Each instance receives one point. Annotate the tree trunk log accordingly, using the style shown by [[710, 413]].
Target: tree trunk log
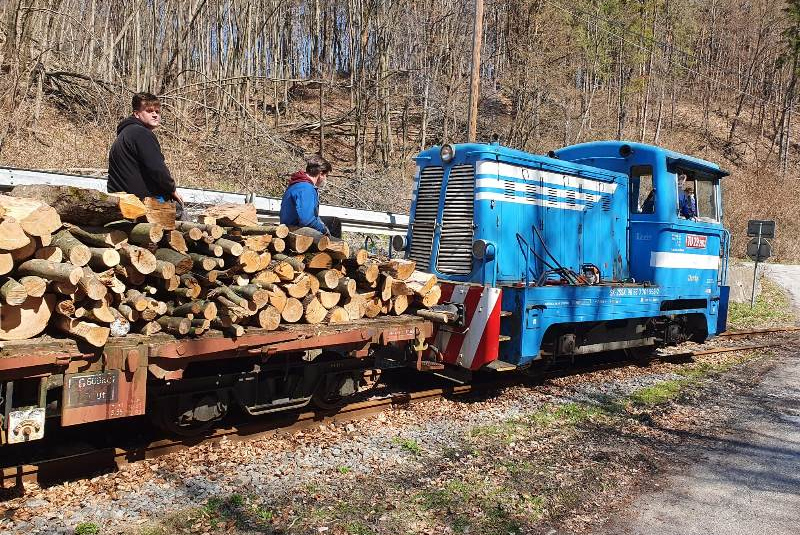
[[12, 292], [84, 206], [34, 216], [143, 260], [182, 262], [94, 334], [51, 270], [74, 251], [98, 236], [34, 286]]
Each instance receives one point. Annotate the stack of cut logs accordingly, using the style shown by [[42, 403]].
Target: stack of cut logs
[[95, 265]]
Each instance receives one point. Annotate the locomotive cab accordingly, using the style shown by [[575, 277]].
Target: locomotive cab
[[598, 246]]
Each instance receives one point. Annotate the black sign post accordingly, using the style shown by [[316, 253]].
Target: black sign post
[[759, 249]]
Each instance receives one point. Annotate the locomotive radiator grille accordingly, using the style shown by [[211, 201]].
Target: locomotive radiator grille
[[455, 244], [430, 186]]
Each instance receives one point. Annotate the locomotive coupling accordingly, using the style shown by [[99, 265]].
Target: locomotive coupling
[[447, 313]]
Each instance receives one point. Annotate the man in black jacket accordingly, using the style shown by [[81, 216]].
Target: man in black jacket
[[135, 162]]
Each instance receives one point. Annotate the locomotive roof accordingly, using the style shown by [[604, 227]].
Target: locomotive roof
[[611, 149], [471, 152]]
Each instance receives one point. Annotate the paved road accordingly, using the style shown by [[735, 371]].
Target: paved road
[[745, 482]]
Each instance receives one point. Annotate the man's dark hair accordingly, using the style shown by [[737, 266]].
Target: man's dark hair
[[141, 100], [317, 164]]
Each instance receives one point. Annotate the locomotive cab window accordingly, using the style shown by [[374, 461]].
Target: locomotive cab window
[[642, 190], [698, 198]]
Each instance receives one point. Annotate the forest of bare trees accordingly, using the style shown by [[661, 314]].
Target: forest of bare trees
[[251, 85]]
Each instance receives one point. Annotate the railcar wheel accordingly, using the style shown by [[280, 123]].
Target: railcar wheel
[[189, 416], [335, 389], [641, 355]]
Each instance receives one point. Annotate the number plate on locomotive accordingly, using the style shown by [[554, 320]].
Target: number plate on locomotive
[[87, 389]]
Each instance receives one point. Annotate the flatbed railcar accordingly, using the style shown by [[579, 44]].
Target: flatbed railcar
[[588, 249], [187, 384]]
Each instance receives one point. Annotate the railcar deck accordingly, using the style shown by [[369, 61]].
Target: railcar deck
[[44, 354]]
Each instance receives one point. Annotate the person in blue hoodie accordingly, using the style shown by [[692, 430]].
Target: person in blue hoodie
[[300, 202]]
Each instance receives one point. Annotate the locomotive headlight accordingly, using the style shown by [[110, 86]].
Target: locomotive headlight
[[399, 242], [483, 250], [447, 153]]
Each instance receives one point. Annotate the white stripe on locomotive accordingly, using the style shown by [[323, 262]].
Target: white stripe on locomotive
[[662, 259]]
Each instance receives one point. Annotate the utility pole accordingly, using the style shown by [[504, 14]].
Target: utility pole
[[475, 77]]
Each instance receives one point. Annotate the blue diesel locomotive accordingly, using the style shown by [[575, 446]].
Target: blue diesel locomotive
[[595, 247]]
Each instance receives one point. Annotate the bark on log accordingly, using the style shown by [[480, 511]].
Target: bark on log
[[367, 274], [276, 231], [149, 328], [143, 234], [329, 279], [74, 251], [202, 262], [253, 293], [84, 206], [103, 257], [292, 261], [91, 285], [173, 325], [215, 231], [229, 246], [346, 287], [182, 262], [51, 253], [98, 236], [53, 271], [208, 249], [34, 216], [92, 333], [128, 312], [129, 274]]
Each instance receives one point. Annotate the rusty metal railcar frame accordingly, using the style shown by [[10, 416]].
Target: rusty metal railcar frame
[[130, 361]]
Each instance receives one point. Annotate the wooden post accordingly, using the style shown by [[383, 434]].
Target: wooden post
[[475, 76]]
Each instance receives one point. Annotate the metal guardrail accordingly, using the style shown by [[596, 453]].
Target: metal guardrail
[[268, 208]]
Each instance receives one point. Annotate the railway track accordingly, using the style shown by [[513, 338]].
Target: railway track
[[92, 461]]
